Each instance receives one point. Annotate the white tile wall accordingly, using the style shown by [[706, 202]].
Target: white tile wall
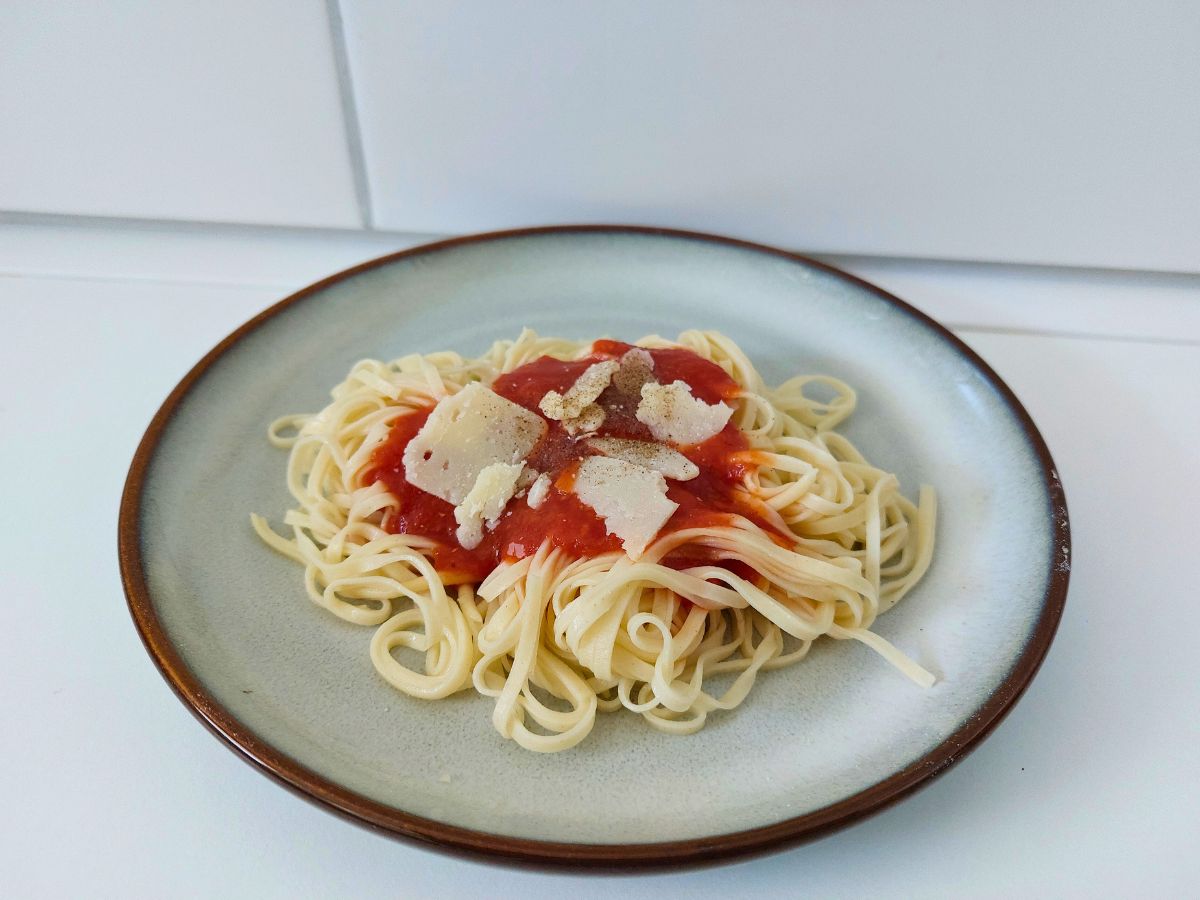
[[173, 109], [1062, 132]]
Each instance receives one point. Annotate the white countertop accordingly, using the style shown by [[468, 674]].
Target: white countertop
[[1091, 787]]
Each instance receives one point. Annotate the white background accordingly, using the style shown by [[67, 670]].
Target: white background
[[1061, 134]]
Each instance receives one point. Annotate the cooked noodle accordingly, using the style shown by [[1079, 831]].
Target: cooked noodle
[[556, 639]]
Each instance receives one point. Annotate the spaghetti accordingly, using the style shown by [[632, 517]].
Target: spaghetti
[[609, 560]]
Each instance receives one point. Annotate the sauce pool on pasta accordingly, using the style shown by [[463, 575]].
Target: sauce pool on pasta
[[710, 498]]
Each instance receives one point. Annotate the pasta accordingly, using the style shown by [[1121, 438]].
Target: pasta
[[760, 538]]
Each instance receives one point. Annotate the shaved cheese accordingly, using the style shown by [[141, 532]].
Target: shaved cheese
[[526, 480], [674, 415], [636, 369], [539, 491], [581, 396], [631, 499], [648, 454], [486, 500], [587, 422], [465, 434]]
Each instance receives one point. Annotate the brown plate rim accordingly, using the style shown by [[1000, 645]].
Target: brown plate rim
[[529, 852]]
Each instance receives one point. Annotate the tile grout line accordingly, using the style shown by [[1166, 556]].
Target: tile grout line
[[350, 121]]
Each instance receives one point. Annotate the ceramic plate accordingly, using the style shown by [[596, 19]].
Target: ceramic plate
[[815, 746]]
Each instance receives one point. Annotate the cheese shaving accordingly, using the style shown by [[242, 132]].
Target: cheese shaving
[[485, 502], [539, 491], [674, 415], [582, 394], [464, 434], [636, 369], [649, 455], [631, 499]]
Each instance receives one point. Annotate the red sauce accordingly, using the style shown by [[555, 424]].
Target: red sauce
[[707, 500]]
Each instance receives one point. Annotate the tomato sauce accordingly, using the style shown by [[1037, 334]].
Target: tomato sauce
[[709, 499]]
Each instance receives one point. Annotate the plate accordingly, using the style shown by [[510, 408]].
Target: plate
[[815, 747]]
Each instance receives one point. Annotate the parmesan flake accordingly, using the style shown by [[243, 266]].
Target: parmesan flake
[[539, 491], [631, 499], [582, 394], [636, 369], [465, 434], [485, 502], [647, 454], [673, 414]]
